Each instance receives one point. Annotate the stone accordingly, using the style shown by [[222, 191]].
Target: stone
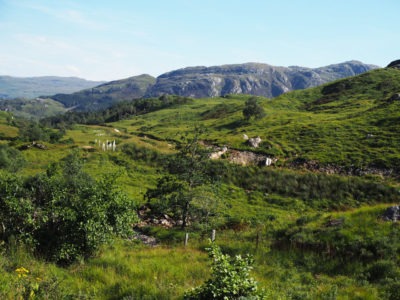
[[255, 142], [39, 146], [218, 154], [395, 97], [392, 213], [147, 240]]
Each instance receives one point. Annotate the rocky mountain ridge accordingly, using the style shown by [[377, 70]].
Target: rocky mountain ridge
[[250, 78], [201, 82]]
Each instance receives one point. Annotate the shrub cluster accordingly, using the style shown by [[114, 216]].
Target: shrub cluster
[[64, 214], [230, 279], [317, 190]]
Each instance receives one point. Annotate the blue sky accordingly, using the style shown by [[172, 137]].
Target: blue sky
[[108, 40]]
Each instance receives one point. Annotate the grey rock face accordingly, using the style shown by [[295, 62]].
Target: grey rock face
[[392, 214], [251, 78]]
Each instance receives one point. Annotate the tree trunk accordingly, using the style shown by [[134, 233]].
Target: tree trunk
[[185, 211]]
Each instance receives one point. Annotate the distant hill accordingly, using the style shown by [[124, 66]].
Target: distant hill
[[107, 94], [349, 126], [251, 78], [31, 87], [198, 82]]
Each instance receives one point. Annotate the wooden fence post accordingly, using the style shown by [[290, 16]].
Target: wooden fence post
[[186, 238], [213, 235]]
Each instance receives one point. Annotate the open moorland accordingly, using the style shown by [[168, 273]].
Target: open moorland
[[98, 205]]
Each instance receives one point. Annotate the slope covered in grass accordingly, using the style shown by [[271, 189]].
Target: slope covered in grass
[[349, 125], [313, 234]]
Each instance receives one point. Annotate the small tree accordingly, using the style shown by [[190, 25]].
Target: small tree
[[230, 279], [64, 215], [177, 191], [253, 109]]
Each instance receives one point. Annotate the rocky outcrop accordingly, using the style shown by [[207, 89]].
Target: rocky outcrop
[[251, 78], [246, 158], [201, 82], [254, 142], [392, 214], [33, 144], [395, 97], [394, 64]]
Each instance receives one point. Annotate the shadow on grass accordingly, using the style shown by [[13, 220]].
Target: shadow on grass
[[233, 125]]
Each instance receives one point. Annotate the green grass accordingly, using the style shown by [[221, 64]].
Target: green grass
[[7, 130], [281, 215], [350, 123]]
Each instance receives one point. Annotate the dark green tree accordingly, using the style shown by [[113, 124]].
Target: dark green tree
[[186, 181], [253, 109], [64, 214]]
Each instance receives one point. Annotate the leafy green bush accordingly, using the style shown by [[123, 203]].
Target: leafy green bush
[[230, 279], [382, 269], [11, 159], [253, 109], [64, 215]]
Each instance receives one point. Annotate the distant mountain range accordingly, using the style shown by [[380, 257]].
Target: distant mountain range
[[251, 78], [31, 87], [197, 82], [106, 94]]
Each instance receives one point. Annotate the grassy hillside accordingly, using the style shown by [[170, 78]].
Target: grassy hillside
[[33, 108], [104, 95], [349, 125], [312, 220]]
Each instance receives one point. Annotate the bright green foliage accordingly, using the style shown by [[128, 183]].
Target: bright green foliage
[[230, 279], [33, 131], [10, 158], [176, 192], [64, 215], [314, 234], [253, 109], [359, 235]]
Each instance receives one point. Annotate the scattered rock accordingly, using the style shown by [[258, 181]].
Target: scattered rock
[[219, 153], [245, 137], [147, 240], [395, 97], [392, 214], [334, 222], [34, 144], [39, 146], [254, 142], [147, 218], [267, 161]]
